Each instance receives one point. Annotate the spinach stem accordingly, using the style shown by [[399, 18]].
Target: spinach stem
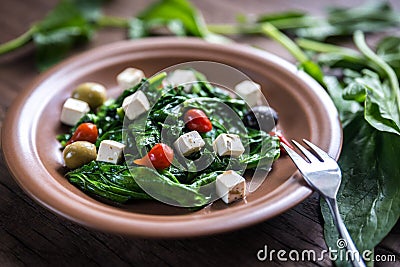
[[271, 31], [112, 21], [17, 42], [103, 21], [347, 53], [232, 29], [294, 23], [325, 48], [227, 29], [255, 28], [359, 40], [156, 80], [170, 176]]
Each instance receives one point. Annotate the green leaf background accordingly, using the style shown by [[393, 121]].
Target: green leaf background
[[369, 196]]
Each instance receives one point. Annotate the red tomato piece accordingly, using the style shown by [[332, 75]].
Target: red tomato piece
[[159, 157], [197, 120], [85, 132], [282, 139]]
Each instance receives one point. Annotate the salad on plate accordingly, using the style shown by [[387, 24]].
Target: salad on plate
[[175, 137]]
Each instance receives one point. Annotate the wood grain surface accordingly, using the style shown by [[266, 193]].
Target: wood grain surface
[[33, 236]]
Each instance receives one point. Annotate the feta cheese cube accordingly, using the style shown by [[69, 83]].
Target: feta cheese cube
[[228, 145], [135, 105], [182, 77], [189, 143], [73, 110], [230, 186], [129, 78], [249, 91], [110, 151]]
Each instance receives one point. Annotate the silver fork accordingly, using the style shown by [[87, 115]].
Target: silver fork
[[323, 174]]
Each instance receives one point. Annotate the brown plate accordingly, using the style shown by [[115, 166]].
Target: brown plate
[[34, 158]]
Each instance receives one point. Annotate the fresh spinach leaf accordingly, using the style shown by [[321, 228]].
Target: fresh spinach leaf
[[355, 91], [380, 105], [67, 25], [378, 90], [173, 10], [370, 12], [338, 21], [369, 197], [347, 109], [180, 16], [286, 20], [388, 48], [137, 29], [310, 67], [333, 56], [343, 21], [53, 46], [90, 9]]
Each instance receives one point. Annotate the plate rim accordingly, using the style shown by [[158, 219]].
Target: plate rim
[[170, 227]]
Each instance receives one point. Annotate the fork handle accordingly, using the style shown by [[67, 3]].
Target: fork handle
[[356, 257]]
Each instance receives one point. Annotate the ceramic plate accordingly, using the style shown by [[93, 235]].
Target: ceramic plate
[[34, 158]]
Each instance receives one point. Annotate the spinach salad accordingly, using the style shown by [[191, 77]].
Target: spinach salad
[[148, 141]]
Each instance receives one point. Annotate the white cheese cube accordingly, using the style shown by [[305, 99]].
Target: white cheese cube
[[249, 91], [73, 110], [230, 186], [129, 78], [182, 77], [189, 143], [110, 151], [135, 105], [228, 145]]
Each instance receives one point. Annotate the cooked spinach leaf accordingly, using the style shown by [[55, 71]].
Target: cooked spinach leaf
[[162, 187], [146, 131], [110, 181], [110, 116]]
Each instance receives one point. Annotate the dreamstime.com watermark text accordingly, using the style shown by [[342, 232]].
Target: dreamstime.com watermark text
[[265, 254]]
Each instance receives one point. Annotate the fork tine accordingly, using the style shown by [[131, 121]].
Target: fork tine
[[306, 153], [322, 154], [296, 158]]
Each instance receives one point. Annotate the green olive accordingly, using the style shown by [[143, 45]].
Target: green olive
[[79, 153], [92, 93]]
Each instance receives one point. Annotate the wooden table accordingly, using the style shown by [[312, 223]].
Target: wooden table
[[31, 235]]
